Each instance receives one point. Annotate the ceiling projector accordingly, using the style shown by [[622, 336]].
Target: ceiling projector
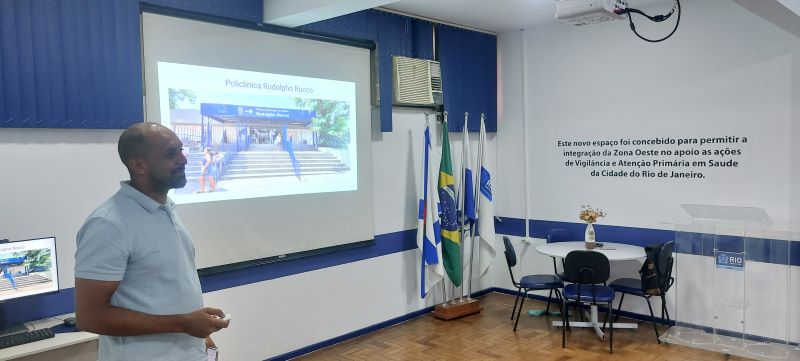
[[585, 12]]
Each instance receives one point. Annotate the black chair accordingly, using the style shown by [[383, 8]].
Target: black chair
[[528, 283], [633, 286], [558, 235], [590, 271]]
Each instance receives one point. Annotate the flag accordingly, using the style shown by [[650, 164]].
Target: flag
[[469, 180], [487, 245], [451, 240], [428, 237], [468, 192]]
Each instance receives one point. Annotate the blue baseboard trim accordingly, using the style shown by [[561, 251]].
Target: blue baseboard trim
[[363, 331], [627, 314], [350, 335], [735, 334], [662, 321]]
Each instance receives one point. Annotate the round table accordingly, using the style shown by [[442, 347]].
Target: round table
[[614, 252]]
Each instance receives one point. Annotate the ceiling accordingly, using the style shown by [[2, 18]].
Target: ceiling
[[490, 15], [494, 15]]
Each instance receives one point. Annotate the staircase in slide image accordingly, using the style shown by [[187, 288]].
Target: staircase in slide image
[[262, 164]]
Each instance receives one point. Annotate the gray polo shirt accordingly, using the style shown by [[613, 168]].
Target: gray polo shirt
[[141, 243]]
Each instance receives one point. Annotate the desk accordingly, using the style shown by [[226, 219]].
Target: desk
[[614, 252], [70, 346]]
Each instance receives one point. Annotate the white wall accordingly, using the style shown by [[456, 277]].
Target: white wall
[[41, 168], [725, 71], [45, 166]]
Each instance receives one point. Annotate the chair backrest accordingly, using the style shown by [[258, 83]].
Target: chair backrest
[[587, 267], [664, 264], [511, 255], [511, 258], [558, 235]]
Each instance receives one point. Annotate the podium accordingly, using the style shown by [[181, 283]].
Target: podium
[[734, 292]]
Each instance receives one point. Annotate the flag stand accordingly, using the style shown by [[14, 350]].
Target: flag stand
[[462, 306], [452, 310]]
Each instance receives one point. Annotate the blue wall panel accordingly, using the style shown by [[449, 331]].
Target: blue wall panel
[[247, 10], [77, 63], [360, 25], [70, 64], [469, 77], [468, 60], [423, 39]]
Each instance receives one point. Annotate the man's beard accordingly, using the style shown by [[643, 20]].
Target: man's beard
[[174, 180]]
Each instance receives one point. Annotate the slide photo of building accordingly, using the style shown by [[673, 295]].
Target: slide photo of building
[[26, 272]]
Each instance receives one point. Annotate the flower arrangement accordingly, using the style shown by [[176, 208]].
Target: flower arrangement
[[589, 214]]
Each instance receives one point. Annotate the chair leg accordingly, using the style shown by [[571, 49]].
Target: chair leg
[[620, 307], [549, 296], [664, 309], [564, 323], [522, 299], [653, 319], [514, 310], [520, 309], [610, 327], [559, 300]]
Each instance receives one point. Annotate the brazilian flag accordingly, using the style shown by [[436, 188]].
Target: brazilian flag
[[451, 242]]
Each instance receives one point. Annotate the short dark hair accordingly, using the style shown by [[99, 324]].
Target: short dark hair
[[132, 142]]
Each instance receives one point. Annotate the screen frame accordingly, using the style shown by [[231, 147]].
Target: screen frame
[[54, 267], [263, 27], [278, 30]]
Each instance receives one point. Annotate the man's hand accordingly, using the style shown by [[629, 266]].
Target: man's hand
[[203, 322]]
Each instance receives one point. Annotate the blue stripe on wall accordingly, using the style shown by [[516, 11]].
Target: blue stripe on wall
[[384, 244], [510, 226], [761, 250], [38, 307], [775, 251]]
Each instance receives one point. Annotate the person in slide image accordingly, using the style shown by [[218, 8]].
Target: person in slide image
[[136, 282], [9, 277], [287, 146], [208, 172]]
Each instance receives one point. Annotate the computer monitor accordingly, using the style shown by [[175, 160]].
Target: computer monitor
[[28, 268]]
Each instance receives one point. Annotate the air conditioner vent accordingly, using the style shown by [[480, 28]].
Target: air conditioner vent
[[417, 81]]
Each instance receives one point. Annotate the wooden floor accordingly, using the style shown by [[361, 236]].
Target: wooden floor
[[489, 336]]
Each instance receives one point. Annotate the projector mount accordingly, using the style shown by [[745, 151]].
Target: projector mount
[[656, 18]]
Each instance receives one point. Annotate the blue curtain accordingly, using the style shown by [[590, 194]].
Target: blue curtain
[[469, 76], [69, 64]]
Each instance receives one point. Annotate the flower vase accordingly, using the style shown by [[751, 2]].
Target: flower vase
[[589, 238]]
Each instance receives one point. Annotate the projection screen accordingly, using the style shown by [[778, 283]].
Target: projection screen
[[276, 131]]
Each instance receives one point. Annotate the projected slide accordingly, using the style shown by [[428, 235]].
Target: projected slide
[[250, 134], [27, 269]]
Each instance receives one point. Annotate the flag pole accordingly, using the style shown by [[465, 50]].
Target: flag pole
[[468, 234], [477, 205], [460, 194], [461, 308], [444, 279]]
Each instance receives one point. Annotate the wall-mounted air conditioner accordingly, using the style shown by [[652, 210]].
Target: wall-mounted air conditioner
[[417, 82]]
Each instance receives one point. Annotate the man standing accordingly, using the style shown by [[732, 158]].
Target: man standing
[[136, 283]]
